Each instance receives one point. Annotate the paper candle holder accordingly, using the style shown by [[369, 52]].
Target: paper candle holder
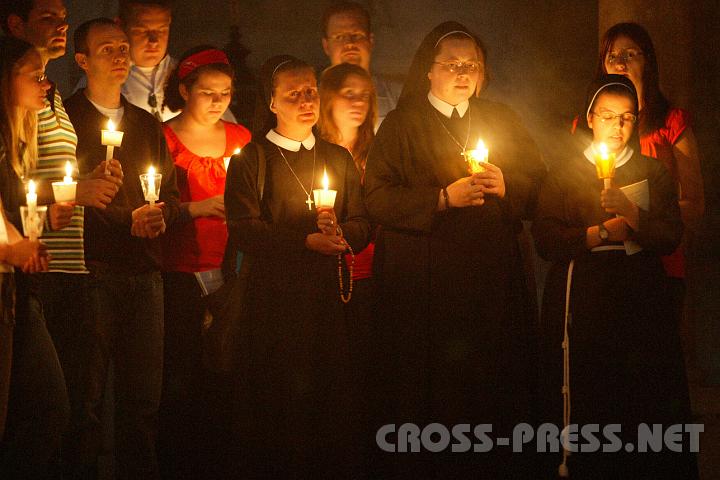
[[33, 227], [150, 183]]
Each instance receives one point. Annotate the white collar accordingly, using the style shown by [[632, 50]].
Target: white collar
[[620, 159], [445, 108], [290, 144]]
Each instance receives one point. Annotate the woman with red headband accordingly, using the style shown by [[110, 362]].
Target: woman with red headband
[[199, 141]]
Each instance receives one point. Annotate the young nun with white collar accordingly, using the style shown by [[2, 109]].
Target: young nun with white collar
[[297, 389], [606, 298], [456, 322]]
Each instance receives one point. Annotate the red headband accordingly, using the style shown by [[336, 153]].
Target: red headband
[[206, 57]]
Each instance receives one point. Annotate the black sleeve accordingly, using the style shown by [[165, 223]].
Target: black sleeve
[[661, 226], [390, 201], [556, 237], [355, 226], [255, 233], [524, 171]]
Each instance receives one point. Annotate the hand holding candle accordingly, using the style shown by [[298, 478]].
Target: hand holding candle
[[605, 165], [111, 139], [65, 191], [32, 216], [477, 158]]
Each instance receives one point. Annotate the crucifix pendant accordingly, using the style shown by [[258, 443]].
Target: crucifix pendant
[[309, 203]]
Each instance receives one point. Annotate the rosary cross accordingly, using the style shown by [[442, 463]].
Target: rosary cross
[[309, 203]]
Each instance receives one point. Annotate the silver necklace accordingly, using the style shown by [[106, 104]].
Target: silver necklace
[[309, 200], [467, 135]]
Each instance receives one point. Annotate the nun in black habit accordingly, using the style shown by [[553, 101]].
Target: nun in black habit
[[296, 396], [624, 364], [456, 327]]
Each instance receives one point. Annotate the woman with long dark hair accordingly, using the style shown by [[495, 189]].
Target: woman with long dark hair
[[665, 132], [297, 392]]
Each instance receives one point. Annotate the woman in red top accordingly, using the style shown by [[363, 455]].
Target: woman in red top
[[665, 132], [199, 142]]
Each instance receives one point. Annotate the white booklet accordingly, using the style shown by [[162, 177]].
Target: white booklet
[[210, 280], [639, 194]]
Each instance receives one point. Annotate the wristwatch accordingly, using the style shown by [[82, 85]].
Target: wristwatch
[[603, 232]]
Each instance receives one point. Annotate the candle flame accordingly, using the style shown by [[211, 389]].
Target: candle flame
[[603, 151], [325, 181], [68, 169], [151, 171], [480, 145], [111, 125], [237, 151], [31, 187]]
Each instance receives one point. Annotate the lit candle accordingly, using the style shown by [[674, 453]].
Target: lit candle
[[324, 197], [605, 165], [65, 191], [31, 220], [227, 159], [111, 139], [150, 183], [475, 158]]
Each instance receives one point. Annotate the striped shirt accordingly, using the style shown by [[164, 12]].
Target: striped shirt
[[56, 145]]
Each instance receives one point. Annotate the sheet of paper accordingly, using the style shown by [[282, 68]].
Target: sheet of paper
[[639, 194]]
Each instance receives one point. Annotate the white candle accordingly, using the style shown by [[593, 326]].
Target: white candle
[[111, 138], [476, 158], [31, 221], [151, 185], [65, 191], [325, 198], [68, 172], [227, 159]]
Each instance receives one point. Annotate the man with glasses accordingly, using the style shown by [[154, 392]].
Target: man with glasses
[[347, 39]]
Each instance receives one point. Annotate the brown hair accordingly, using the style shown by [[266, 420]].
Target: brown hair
[[345, 8], [331, 82], [654, 104], [13, 54], [127, 8], [173, 100]]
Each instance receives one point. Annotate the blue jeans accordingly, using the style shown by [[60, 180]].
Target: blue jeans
[[127, 327]]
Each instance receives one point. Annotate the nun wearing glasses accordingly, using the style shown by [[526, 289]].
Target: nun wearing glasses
[[456, 324]]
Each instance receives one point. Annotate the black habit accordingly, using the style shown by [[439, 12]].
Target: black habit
[[456, 326], [626, 364], [296, 388]]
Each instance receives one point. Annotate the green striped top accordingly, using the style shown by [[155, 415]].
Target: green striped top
[[56, 145]]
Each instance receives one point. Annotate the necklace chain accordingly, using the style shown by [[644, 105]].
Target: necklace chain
[[312, 179], [467, 135]]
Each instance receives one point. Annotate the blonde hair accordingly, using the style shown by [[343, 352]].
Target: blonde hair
[[18, 128]]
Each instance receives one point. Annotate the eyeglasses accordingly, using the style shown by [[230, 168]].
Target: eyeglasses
[[608, 116], [348, 38], [626, 56], [460, 67]]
